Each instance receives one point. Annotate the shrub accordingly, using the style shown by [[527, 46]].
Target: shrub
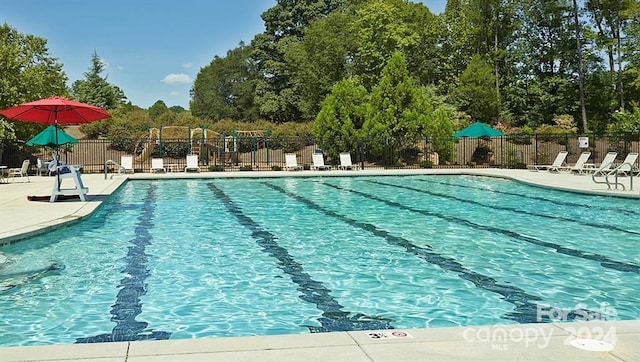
[[426, 164]]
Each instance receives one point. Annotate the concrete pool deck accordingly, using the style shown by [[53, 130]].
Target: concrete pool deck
[[21, 218]]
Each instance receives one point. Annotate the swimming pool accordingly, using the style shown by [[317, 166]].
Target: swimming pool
[[236, 257]]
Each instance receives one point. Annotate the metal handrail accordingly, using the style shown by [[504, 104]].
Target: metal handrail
[[120, 168], [616, 171]]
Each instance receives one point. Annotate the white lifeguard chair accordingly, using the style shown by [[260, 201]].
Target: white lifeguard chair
[[74, 174]]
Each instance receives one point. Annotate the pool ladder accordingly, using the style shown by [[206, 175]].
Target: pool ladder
[[112, 162], [616, 172]]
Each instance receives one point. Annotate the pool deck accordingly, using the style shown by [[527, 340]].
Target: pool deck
[[20, 218]]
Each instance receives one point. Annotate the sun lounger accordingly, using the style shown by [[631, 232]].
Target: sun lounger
[[157, 165], [555, 166], [291, 162], [627, 167], [126, 164], [192, 164], [580, 166], [606, 164], [318, 162], [345, 162]]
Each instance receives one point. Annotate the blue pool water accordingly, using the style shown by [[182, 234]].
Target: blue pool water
[[237, 257]]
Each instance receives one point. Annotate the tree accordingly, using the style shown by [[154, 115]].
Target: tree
[[320, 60], [27, 73], [285, 24], [157, 109], [339, 122], [226, 87], [399, 111], [97, 90], [475, 94]]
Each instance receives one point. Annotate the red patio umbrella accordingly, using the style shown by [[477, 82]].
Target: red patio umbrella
[[55, 110]]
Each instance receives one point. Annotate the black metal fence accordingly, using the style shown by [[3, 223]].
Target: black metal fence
[[265, 153]]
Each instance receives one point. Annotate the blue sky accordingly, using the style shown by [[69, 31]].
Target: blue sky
[[153, 49]]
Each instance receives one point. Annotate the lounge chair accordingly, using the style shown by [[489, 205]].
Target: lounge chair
[[345, 162], [126, 164], [20, 171], [627, 167], [192, 164], [606, 164], [291, 162], [318, 162], [157, 165], [580, 166], [555, 166], [42, 167]]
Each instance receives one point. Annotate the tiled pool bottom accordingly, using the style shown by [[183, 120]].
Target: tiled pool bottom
[[497, 343], [426, 344]]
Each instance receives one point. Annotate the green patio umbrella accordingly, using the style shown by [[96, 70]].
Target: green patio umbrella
[[478, 130], [48, 138]]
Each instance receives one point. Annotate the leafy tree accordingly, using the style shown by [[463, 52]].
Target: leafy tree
[[320, 60], [399, 110], [285, 24], [157, 109], [226, 87], [339, 122], [381, 29], [97, 90], [475, 94], [27, 73]]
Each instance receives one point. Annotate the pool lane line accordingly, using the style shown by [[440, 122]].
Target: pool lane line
[[603, 260], [557, 202], [505, 208], [128, 305], [334, 318], [526, 311]]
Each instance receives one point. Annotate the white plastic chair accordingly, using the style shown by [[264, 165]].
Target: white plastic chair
[[318, 162], [157, 165], [291, 162], [557, 164], [126, 164], [20, 171], [192, 164], [345, 162]]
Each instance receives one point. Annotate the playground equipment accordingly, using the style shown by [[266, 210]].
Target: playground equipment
[[207, 144]]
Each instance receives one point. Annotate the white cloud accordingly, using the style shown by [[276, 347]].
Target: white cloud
[[188, 65], [176, 93], [177, 79]]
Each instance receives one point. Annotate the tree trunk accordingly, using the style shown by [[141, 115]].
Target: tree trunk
[[580, 73]]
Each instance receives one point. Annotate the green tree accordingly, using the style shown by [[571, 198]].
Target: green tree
[[157, 109], [321, 60], [399, 110], [97, 90], [339, 122], [27, 73], [226, 87], [475, 94], [285, 24]]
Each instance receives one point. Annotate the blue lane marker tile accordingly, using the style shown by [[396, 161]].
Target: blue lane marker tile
[[334, 318], [526, 308], [603, 260], [128, 305], [531, 197]]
